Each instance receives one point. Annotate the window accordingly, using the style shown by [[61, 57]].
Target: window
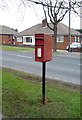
[[60, 38], [29, 39], [19, 39], [76, 39], [13, 37]]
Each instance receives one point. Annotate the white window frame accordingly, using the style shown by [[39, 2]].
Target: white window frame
[[76, 39], [19, 39], [30, 38], [29, 43], [60, 38]]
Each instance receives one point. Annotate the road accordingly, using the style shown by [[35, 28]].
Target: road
[[64, 66]]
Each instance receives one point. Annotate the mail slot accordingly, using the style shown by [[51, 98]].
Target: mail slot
[[43, 47]]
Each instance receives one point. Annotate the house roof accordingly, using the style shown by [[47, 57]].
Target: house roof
[[62, 30], [7, 30]]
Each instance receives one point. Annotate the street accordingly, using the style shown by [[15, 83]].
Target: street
[[64, 66]]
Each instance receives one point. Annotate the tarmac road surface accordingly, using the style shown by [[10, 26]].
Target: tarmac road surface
[[64, 66]]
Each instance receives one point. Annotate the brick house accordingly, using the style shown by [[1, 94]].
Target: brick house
[[27, 36], [7, 35]]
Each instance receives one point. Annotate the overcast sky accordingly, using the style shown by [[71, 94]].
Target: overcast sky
[[22, 17]]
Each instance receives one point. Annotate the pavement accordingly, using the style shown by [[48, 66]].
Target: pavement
[[65, 53]]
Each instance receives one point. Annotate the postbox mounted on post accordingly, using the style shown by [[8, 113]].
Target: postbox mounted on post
[[43, 53], [43, 47]]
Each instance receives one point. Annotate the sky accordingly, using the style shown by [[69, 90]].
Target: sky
[[23, 17]]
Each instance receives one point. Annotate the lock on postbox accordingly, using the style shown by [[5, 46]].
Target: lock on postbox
[[43, 47]]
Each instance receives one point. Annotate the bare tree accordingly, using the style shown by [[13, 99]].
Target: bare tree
[[55, 10]]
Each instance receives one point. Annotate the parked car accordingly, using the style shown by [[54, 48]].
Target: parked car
[[73, 45]]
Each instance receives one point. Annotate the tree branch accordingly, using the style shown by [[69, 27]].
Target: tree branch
[[46, 20], [61, 18], [50, 15], [50, 26], [59, 8], [51, 10]]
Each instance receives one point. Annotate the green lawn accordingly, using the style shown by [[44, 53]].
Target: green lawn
[[22, 97], [14, 47]]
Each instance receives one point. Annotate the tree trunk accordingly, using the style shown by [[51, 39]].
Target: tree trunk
[[55, 37]]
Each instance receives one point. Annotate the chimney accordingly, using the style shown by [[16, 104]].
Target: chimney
[[44, 22]]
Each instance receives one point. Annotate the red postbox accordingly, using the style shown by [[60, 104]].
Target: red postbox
[[43, 47]]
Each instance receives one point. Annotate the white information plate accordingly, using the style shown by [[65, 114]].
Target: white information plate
[[38, 52]]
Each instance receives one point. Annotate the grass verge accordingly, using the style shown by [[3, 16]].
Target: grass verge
[[56, 52], [22, 97], [15, 48]]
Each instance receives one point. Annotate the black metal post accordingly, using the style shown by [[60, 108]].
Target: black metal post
[[43, 81], [69, 36]]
